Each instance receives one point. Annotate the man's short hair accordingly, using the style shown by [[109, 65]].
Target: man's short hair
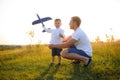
[[77, 20]]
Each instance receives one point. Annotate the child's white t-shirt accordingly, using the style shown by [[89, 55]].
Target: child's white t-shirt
[[83, 42], [55, 38]]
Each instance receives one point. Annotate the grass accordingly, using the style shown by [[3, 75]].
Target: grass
[[32, 63]]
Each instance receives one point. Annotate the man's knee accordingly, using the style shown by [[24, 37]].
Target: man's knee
[[64, 53]]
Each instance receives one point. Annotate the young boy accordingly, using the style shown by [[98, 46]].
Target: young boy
[[56, 36]]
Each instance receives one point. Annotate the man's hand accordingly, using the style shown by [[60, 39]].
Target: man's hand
[[51, 46]]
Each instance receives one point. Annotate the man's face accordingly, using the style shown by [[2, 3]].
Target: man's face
[[71, 24], [57, 24]]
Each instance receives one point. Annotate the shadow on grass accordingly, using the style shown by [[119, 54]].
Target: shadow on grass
[[48, 74], [81, 73], [76, 72]]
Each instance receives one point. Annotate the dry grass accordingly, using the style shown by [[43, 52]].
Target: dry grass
[[32, 63]]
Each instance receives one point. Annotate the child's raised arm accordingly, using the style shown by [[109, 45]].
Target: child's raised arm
[[47, 30]]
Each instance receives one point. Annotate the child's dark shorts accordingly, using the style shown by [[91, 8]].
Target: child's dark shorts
[[56, 52]]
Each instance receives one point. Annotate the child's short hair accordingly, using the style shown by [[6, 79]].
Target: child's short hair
[[57, 20]]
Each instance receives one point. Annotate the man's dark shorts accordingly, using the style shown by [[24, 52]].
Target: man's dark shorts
[[56, 52], [72, 49]]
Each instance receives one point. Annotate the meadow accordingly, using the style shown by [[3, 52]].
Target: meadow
[[33, 63]]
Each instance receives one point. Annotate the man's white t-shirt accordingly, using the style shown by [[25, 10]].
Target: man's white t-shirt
[[55, 38], [83, 42]]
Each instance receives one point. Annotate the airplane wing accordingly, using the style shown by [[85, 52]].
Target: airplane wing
[[46, 19], [36, 22], [41, 20]]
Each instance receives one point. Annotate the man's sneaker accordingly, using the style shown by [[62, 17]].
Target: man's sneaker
[[89, 61]]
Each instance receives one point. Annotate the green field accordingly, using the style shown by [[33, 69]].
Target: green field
[[32, 63]]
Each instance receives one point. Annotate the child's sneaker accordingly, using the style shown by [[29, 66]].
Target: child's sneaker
[[86, 65], [51, 64], [58, 64]]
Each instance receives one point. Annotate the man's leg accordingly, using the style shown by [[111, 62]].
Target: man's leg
[[76, 61], [74, 56]]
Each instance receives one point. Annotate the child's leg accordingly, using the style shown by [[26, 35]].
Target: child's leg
[[59, 59], [59, 56], [53, 59], [53, 55]]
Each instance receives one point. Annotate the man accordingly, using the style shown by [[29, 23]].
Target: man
[[82, 50]]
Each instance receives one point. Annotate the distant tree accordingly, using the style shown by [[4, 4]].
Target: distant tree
[[107, 38], [97, 39], [111, 35], [112, 38], [31, 35]]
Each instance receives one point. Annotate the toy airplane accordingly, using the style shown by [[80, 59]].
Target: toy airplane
[[41, 20]]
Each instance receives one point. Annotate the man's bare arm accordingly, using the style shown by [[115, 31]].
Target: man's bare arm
[[66, 39], [64, 45]]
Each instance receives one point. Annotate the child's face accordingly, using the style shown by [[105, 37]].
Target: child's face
[[57, 24]]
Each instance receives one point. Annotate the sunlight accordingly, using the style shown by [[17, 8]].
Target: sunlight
[[98, 19]]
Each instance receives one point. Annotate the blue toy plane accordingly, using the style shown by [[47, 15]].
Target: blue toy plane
[[41, 20]]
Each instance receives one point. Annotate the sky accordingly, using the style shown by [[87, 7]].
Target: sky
[[99, 17]]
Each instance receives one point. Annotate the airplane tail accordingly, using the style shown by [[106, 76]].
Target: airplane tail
[[38, 16]]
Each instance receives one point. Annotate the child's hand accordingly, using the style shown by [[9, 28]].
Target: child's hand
[[61, 35]]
